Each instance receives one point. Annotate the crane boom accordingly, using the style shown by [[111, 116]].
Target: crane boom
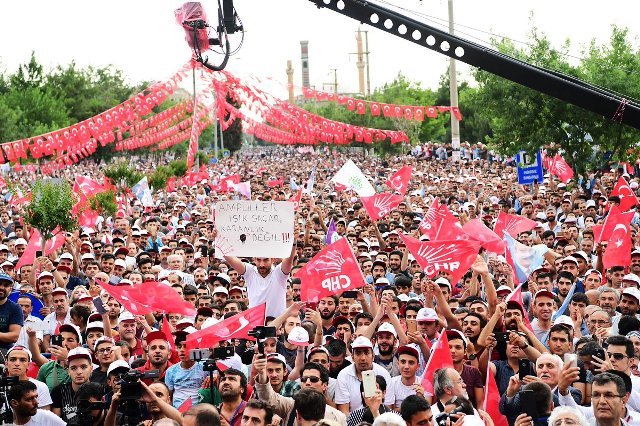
[[566, 88]]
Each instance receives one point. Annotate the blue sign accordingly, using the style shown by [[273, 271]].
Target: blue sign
[[226, 153], [214, 160], [529, 168]]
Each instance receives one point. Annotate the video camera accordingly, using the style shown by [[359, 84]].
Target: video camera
[[83, 413], [209, 358], [260, 333], [130, 387], [463, 407]]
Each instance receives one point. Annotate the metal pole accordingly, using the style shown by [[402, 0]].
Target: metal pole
[[453, 94], [366, 46], [215, 128]]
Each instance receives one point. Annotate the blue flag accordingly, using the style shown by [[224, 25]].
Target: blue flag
[[565, 305]]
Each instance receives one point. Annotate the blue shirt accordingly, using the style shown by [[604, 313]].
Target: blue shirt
[[184, 383], [10, 313]]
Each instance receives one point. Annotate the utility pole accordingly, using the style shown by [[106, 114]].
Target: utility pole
[[366, 52], [453, 94]]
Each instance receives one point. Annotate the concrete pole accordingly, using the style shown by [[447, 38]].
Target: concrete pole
[[453, 93]]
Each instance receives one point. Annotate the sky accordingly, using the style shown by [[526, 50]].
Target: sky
[[141, 37]]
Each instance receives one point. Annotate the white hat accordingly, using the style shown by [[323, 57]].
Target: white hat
[[382, 280], [224, 276], [79, 352], [361, 342], [121, 263], [403, 297], [386, 327], [118, 363], [126, 316], [95, 325], [298, 336], [564, 320], [45, 274], [20, 348], [633, 292], [632, 277], [21, 241], [590, 203], [504, 288], [209, 322], [443, 281], [67, 256], [427, 314], [102, 340], [570, 259], [220, 289], [88, 256], [278, 358]]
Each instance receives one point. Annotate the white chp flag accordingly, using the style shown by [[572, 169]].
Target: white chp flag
[[353, 178]]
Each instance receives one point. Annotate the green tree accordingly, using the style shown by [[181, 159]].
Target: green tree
[[233, 134], [50, 207], [120, 173], [104, 203]]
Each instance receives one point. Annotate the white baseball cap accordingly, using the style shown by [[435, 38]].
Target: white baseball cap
[[427, 314], [633, 278], [117, 364], [443, 281], [361, 342], [20, 348], [220, 289], [298, 336], [79, 352], [633, 292], [564, 320], [126, 316], [386, 327]]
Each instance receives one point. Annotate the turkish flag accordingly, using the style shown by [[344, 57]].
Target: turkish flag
[[603, 232], [35, 244], [452, 256], [440, 357], [513, 224], [333, 270], [88, 218], [228, 183], [295, 199], [399, 181], [456, 113], [171, 184], [432, 112], [186, 405], [492, 399], [408, 113], [627, 198], [235, 327], [440, 224], [397, 111], [478, 231], [380, 205], [351, 104], [387, 110], [85, 187], [375, 109], [361, 107], [273, 183], [148, 297], [618, 251], [418, 113]]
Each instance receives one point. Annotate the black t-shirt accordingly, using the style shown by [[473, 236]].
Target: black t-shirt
[[63, 397], [98, 376]]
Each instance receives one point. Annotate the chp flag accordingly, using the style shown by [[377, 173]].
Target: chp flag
[[333, 270], [454, 257]]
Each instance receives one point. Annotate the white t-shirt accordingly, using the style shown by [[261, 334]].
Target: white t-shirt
[[45, 418], [44, 398], [271, 289], [348, 387], [51, 323], [399, 391], [36, 324]]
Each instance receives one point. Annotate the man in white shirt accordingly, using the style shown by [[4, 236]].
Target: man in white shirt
[[265, 283], [18, 360], [23, 399], [348, 397], [406, 383], [29, 320]]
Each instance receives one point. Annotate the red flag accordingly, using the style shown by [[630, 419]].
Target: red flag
[[375, 109], [88, 218], [557, 166], [3, 183], [492, 399], [166, 329], [516, 294], [440, 224], [85, 187], [408, 113], [171, 184], [456, 113], [627, 198], [380, 205], [440, 358], [235, 327], [432, 112], [361, 107], [273, 183], [618, 251], [148, 297], [184, 407], [333, 270], [477, 230], [351, 104], [603, 232], [418, 113], [35, 244], [399, 181], [296, 199], [513, 224], [453, 257]]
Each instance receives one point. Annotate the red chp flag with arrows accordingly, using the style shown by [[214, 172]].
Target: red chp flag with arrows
[[399, 181], [235, 327], [627, 198], [557, 166], [334, 270], [380, 205], [478, 231], [452, 257], [513, 224], [440, 224]]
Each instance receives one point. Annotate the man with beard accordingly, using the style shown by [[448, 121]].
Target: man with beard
[[472, 325], [635, 262], [629, 305], [220, 296], [386, 338], [295, 288], [23, 399], [59, 316], [608, 301], [564, 282], [511, 316], [517, 348], [232, 386], [327, 307], [337, 357], [344, 328], [158, 353], [265, 283]]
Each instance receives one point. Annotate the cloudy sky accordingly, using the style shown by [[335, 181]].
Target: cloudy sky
[[141, 36]]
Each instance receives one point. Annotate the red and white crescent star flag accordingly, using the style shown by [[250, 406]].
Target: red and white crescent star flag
[[399, 181], [88, 218], [440, 358], [333, 270], [150, 296], [380, 205], [453, 257], [85, 187], [603, 232], [513, 224], [627, 197], [235, 327], [618, 251], [35, 244]]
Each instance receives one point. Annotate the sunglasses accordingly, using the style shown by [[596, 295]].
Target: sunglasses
[[313, 379], [616, 356]]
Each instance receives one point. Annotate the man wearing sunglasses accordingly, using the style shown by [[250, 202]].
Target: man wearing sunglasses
[[312, 376]]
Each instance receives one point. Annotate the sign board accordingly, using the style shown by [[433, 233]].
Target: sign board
[[254, 228], [529, 168], [226, 153], [214, 160]]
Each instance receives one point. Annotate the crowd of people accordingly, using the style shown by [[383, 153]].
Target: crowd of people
[[74, 355]]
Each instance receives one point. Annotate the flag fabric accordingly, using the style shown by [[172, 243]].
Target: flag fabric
[[513, 224], [478, 231], [627, 197], [244, 189], [557, 166], [332, 233], [166, 329], [88, 218], [292, 184], [525, 259], [86, 187], [352, 177], [296, 199], [142, 192], [148, 297], [186, 405], [399, 181], [228, 182], [440, 357], [492, 399], [440, 224], [565, 304], [171, 184], [311, 182], [235, 327], [453, 257], [35, 244], [603, 232], [618, 251], [333, 270], [274, 183], [380, 205]]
